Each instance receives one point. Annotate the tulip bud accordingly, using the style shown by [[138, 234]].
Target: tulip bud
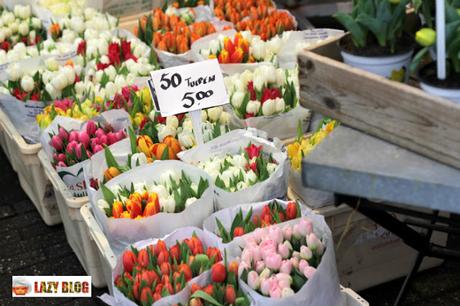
[[27, 83], [425, 37], [309, 272], [315, 244], [91, 128], [83, 137], [63, 134], [78, 150], [305, 253], [111, 138], [73, 136], [97, 148], [103, 140], [56, 143], [303, 264], [286, 292], [99, 132], [110, 173], [253, 280]]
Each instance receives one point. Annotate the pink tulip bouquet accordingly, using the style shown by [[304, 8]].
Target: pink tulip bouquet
[[277, 261], [72, 146]]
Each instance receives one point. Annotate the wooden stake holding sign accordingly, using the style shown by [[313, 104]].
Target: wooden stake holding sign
[[188, 88]]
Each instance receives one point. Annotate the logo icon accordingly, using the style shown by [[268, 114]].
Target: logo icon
[[21, 286]]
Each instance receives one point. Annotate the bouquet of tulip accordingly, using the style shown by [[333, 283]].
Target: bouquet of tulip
[[162, 269], [72, 147], [222, 289], [215, 123], [239, 48], [68, 108], [302, 146], [277, 262], [272, 213], [42, 84], [20, 26], [63, 7], [240, 171], [236, 10], [81, 24], [264, 92], [245, 168], [268, 23]]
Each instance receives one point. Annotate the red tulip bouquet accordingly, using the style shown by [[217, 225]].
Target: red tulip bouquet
[[148, 272]]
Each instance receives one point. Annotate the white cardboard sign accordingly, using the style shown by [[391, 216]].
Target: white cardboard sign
[[188, 88]]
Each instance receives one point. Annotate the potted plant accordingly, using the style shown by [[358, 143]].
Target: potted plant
[[449, 87], [377, 41]]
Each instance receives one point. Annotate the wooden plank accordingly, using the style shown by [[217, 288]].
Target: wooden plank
[[396, 112]]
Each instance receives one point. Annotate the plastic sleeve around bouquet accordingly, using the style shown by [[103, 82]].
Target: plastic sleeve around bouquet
[[322, 289], [122, 232], [170, 239], [73, 176], [231, 143], [227, 215]]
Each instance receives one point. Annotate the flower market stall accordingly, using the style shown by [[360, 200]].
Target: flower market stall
[[197, 152]]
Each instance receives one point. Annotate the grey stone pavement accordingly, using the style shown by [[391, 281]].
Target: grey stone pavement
[[29, 247]]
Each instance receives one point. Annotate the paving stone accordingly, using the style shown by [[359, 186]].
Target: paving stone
[[23, 206], [6, 211]]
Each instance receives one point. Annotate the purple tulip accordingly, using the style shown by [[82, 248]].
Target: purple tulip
[[91, 128], [56, 143]]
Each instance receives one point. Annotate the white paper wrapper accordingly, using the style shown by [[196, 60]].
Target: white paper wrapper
[[122, 232], [314, 198], [282, 126], [73, 176], [22, 116], [298, 40], [227, 215], [322, 289], [170, 239], [273, 187]]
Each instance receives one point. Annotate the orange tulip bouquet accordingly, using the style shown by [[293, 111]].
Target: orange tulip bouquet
[[151, 201], [173, 31], [236, 10]]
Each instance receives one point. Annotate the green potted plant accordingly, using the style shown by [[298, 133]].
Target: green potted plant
[[377, 41], [448, 88]]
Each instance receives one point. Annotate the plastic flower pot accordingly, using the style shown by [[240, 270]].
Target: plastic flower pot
[[448, 88], [376, 60]]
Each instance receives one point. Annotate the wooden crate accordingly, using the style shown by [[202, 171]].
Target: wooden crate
[[396, 112]]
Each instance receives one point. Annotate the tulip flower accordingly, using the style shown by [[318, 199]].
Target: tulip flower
[[224, 57], [305, 252], [260, 266], [218, 273], [56, 142], [315, 244], [286, 266], [287, 292], [273, 261], [230, 295], [117, 209], [303, 264], [73, 136], [129, 260], [309, 272], [425, 37]]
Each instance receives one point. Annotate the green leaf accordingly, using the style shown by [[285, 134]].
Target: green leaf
[[203, 295], [223, 233], [236, 221], [248, 217], [202, 186], [132, 140], [110, 159], [104, 79], [417, 59], [357, 33], [108, 194]]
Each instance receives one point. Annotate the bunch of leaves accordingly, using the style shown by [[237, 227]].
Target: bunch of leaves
[[381, 21]]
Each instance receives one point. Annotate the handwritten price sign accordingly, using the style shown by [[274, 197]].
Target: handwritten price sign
[[188, 88]]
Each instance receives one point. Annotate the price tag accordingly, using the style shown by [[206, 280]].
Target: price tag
[[188, 88]]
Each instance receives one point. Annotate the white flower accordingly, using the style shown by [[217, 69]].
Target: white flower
[[187, 125], [168, 204], [241, 185], [36, 23], [190, 201], [259, 81], [22, 11], [77, 24], [214, 46], [239, 85], [269, 72], [27, 83], [245, 77], [14, 72], [253, 107], [239, 161], [120, 81], [274, 44], [250, 177], [268, 108], [110, 89], [271, 167], [224, 118], [52, 91], [7, 18], [160, 190], [138, 159], [2, 36], [32, 36], [169, 175], [102, 204], [111, 72], [90, 13], [214, 113], [23, 28], [172, 122], [258, 49], [204, 115], [280, 76], [280, 105], [186, 140], [80, 88], [164, 131], [59, 82], [69, 74]]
